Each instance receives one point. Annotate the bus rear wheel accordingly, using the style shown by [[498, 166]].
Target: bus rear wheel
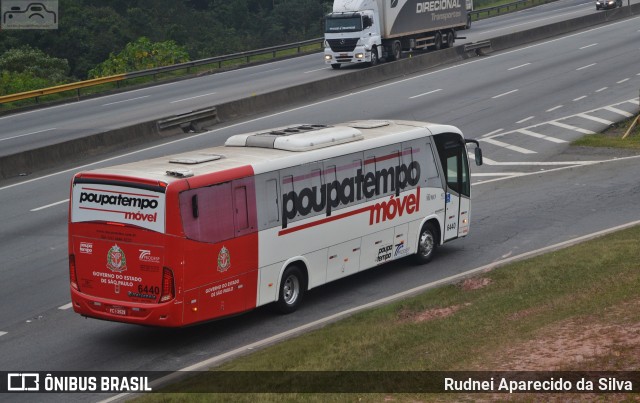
[[292, 289], [426, 244]]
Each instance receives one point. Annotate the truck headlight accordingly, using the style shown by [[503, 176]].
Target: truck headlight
[[359, 55], [327, 57]]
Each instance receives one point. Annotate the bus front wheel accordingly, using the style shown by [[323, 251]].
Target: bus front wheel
[[292, 288], [426, 244]]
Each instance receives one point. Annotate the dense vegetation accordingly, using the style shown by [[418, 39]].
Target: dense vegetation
[[97, 37]]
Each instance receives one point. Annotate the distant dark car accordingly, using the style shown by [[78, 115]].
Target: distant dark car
[[604, 4]]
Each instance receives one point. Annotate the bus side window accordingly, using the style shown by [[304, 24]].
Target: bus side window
[[387, 159], [215, 221], [271, 202], [407, 158]]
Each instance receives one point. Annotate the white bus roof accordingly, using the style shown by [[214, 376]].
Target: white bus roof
[[265, 151]]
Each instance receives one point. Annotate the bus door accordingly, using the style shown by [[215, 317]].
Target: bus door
[[453, 156]]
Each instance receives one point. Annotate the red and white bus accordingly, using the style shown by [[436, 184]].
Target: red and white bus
[[188, 238]]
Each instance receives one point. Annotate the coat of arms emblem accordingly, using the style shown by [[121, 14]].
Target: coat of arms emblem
[[224, 260], [116, 260]]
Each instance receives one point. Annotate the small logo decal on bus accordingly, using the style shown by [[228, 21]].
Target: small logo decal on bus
[[116, 260], [86, 247], [224, 260]]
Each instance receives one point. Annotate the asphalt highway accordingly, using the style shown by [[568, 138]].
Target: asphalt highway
[[524, 105]]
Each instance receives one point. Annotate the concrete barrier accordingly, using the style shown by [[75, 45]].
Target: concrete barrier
[[75, 150], [27, 162]]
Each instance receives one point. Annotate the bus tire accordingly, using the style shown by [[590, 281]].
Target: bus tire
[[426, 244], [291, 291]]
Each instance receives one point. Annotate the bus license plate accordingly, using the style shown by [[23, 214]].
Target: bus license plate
[[118, 310]]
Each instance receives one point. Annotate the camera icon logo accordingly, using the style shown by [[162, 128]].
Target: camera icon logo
[[40, 15]]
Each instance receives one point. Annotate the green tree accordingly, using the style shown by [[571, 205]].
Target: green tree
[[25, 69], [12, 82], [36, 63], [141, 55]]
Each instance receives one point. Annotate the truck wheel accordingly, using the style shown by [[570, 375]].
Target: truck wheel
[[335, 66], [292, 288], [437, 42], [426, 244], [374, 56], [396, 51], [450, 39]]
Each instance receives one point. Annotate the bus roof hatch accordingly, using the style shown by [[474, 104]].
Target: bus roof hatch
[[297, 137]]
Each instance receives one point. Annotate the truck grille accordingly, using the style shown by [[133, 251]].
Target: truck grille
[[343, 45]]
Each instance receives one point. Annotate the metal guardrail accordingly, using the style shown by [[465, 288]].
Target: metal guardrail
[[220, 59], [158, 70], [190, 121], [477, 47], [60, 88], [516, 5]]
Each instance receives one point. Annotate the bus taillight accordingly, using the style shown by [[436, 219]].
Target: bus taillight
[[168, 289], [73, 278]]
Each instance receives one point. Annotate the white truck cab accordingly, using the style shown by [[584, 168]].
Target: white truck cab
[[352, 33]]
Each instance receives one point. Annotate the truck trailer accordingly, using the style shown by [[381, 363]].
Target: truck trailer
[[365, 31]]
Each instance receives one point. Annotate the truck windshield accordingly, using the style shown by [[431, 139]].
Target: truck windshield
[[351, 24]]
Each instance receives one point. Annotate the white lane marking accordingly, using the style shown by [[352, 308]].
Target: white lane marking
[[525, 119], [491, 133], [483, 174], [216, 360], [126, 100], [503, 94], [197, 96], [28, 134], [586, 67], [579, 98], [50, 205], [508, 146], [622, 81], [540, 136], [262, 72], [570, 127], [619, 111], [588, 46], [601, 89], [517, 67], [357, 93], [65, 307], [3, 333], [313, 71], [489, 161], [538, 20], [595, 119], [633, 101], [426, 93], [554, 108]]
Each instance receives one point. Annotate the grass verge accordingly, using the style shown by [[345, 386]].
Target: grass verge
[[612, 137], [530, 315]]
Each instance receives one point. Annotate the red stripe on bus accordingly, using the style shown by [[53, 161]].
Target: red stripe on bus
[[324, 220]]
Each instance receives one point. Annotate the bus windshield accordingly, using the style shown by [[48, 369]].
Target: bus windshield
[[351, 24]]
